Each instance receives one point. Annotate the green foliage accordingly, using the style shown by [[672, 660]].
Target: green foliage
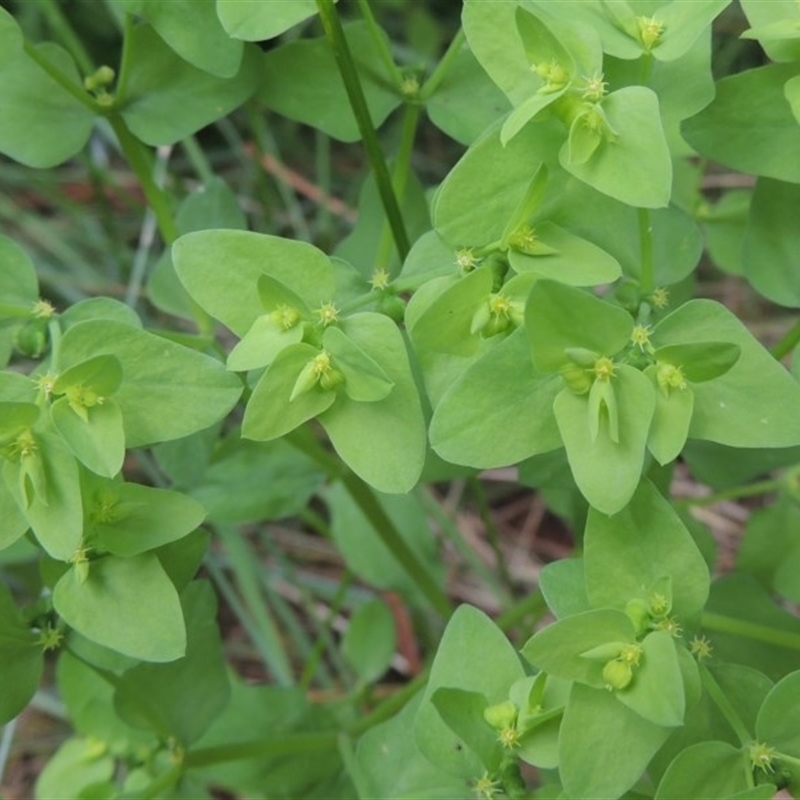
[[535, 309]]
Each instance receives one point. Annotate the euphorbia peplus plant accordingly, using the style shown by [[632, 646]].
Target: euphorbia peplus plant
[[538, 314]]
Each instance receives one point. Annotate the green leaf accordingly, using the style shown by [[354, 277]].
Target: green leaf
[[445, 326], [574, 260], [559, 648], [775, 26], [126, 604], [364, 378], [167, 391], [55, 511], [563, 585], [271, 412], [382, 441], [628, 553], [473, 655], [14, 522], [750, 107], [370, 640], [559, 317], [462, 712], [671, 420], [499, 411], [19, 285], [740, 598], [193, 30], [249, 481], [393, 766], [97, 442], [484, 189], [604, 747], [185, 697], [683, 24], [712, 770], [302, 82], [127, 519], [158, 82], [608, 472], [366, 554], [494, 39], [78, 763], [466, 102], [700, 361], [769, 251], [21, 658], [232, 295], [214, 205], [656, 691], [636, 167], [33, 101], [778, 723], [262, 343], [754, 403], [254, 20]]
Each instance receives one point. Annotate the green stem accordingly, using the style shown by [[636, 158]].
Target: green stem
[[400, 173], [282, 744], [162, 783], [198, 159], [646, 248], [491, 530], [749, 490], [314, 660], [750, 630], [352, 83], [78, 92], [62, 30], [443, 67], [789, 341], [245, 567], [716, 693], [532, 604], [451, 530], [380, 42], [140, 162], [364, 497], [390, 706]]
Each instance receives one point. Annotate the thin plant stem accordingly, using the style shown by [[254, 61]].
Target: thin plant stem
[[491, 530], [147, 234], [450, 529], [265, 144], [275, 660], [789, 341], [344, 59], [140, 162], [646, 250], [716, 693], [380, 42], [750, 630], [198, 159], [734, 493], [443, 67], [364, 497], [245, 569], [400, 173], [6, 739], [78, 92], [322, 155], [279, 744], [314, 661], [531, 605], [62, 30]]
